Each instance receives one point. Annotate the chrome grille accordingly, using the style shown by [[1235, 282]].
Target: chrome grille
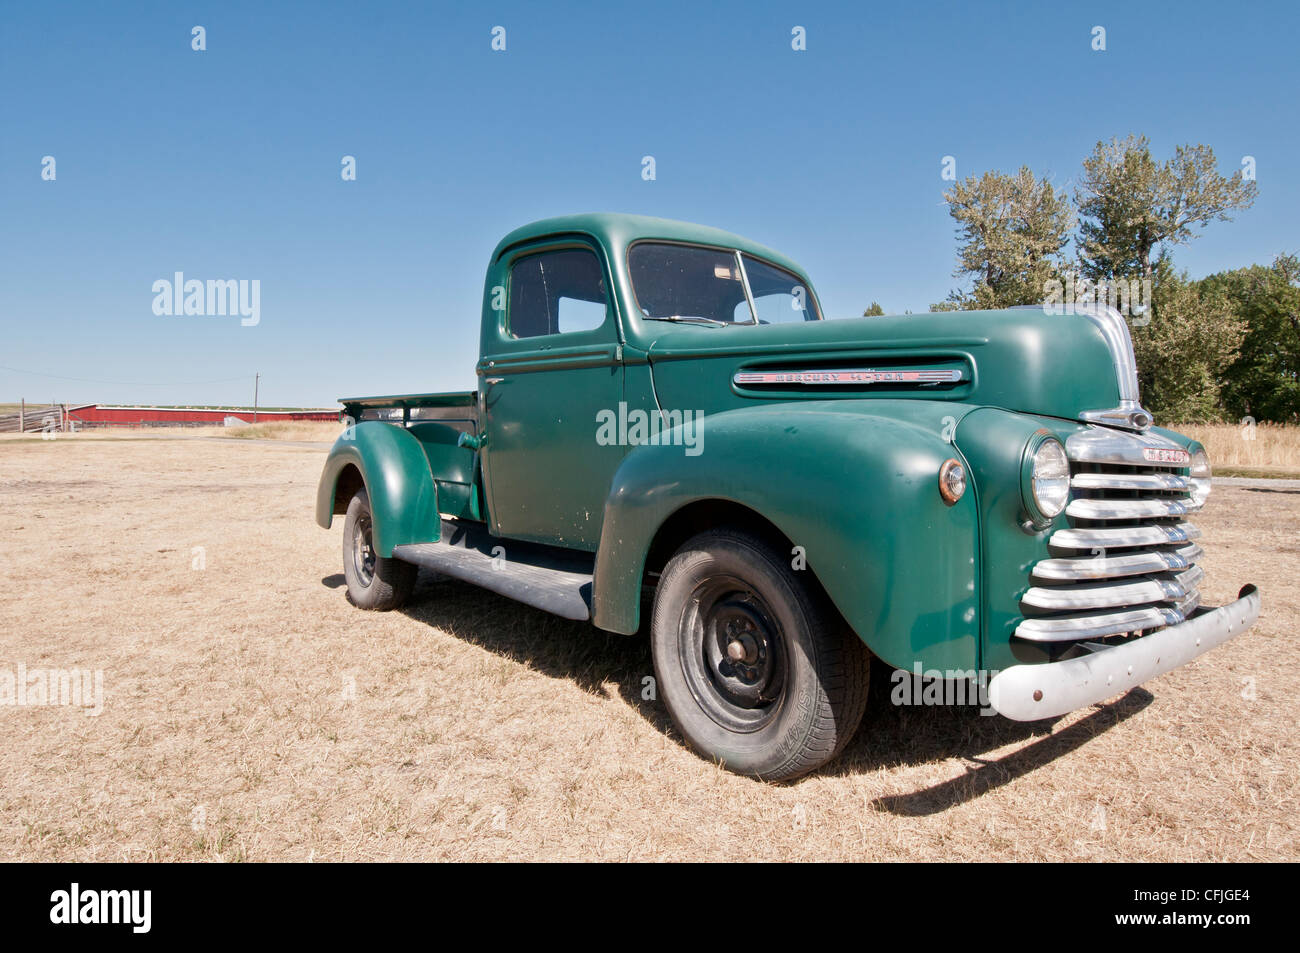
[[1127, 561]]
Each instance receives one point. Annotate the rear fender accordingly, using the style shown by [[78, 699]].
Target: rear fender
[[395, 473]]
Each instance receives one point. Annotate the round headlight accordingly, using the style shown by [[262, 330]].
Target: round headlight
[[1050, 478], [1200, 476]]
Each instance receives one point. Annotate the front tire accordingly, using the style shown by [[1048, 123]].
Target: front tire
[[373, 581], [758, 671]]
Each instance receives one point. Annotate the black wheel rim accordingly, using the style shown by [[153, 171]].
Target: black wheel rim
[[733, 654], [363, 550]]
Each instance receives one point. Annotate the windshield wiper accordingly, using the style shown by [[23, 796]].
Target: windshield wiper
[[679, 319]]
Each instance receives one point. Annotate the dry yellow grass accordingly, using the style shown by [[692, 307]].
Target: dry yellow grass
[[308, 430], [250, 713], [1261, 447]]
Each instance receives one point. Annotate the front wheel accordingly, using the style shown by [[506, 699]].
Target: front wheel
[[758, 672], [373, 581]]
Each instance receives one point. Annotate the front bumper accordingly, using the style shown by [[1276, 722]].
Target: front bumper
[[1031, 692]]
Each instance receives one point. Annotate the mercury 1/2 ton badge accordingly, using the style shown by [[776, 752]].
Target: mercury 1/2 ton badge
[[850, 376]]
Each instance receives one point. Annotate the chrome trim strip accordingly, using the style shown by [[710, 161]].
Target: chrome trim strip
[[1157, 534], [1032, 692], [850, 375]]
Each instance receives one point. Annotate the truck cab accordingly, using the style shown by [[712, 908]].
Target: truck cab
[[664, 418]]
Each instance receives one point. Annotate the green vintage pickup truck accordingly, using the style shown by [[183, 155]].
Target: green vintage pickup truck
[[667, 437]]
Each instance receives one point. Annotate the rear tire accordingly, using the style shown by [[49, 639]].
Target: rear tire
[[758, 671], [373, 581]]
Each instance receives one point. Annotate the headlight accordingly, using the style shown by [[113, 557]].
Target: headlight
[[1200, 476], [1049, 478]]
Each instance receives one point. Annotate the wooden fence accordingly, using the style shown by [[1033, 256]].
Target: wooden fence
[[36, 418]]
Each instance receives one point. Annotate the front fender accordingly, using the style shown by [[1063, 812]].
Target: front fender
[[395, 471], [852, 482]]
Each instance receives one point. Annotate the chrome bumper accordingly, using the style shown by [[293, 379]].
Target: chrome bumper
[[1031, 692]]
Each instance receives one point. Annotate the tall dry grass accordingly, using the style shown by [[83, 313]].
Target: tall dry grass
[[309, 430], [1262, 446]]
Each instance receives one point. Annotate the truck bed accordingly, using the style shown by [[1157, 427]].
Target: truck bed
[[457, 406], [437, 421]]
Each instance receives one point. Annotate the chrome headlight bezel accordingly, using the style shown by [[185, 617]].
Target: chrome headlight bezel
[[1045, 478]]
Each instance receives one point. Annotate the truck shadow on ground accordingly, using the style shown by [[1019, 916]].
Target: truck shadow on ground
[[893, 735], [602, 663]]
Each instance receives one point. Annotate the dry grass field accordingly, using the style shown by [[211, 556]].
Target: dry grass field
[[1265, 450], [250, 713]]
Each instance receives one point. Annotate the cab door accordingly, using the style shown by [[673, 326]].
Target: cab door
[[552, 365]]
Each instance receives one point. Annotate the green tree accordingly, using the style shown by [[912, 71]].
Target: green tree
[[874, 311], [1129, 203], [1193, 335], [1264, 381], [1012, 229]]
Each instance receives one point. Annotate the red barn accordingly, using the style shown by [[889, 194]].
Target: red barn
[[112, 415]]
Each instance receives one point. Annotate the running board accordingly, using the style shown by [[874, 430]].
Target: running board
[[545, 577]]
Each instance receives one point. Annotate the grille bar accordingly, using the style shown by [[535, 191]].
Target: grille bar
[[1101, 567], [1165, 587], [1088, 626], [1130, 481], [1129, 509], [1118, 537]]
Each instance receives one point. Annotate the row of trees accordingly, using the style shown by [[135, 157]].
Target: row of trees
[[1223, 347]]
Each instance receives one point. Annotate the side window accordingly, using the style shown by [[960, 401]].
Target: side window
[[556, 292]]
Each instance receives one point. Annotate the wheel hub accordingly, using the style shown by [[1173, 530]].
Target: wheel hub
[[363, 551], [740, 651]]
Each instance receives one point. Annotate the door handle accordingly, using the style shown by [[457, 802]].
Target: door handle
[[489, 381]]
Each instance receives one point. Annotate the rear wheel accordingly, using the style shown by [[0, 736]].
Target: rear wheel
[[373, 581], [758, 672]]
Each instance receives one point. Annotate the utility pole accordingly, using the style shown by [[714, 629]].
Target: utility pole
[[257, 379]]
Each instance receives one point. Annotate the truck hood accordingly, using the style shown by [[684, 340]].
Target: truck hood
[[1076, 365]]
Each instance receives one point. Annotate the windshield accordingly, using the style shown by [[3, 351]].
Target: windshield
[[695, 284]]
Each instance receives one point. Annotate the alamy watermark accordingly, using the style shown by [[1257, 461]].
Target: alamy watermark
[[215, 297], [947, 687], [81, 905], [635, 427], [74, 687], [1131, 298]]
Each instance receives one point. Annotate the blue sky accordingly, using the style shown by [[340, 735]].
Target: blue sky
[[226, 163]]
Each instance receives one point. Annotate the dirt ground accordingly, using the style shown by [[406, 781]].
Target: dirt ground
[[250, 713]]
